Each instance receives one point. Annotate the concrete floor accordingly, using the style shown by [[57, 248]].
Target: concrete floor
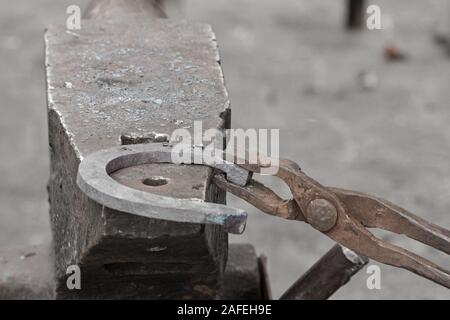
[[288, 65]]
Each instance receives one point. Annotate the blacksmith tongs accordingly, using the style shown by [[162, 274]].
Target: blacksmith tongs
[[344, 215]]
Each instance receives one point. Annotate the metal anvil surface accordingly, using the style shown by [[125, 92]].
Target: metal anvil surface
[[112, 79]]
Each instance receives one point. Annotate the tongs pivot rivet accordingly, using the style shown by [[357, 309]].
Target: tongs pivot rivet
[[321, 214]]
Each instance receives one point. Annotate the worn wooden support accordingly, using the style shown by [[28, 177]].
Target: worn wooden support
[[26, 272], [132, 76], [245, 275], [328, 275]]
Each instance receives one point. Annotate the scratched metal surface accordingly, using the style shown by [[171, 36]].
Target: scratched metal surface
[[134, 80], [288, 65]]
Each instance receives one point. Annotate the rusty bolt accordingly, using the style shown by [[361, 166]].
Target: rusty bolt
[[321, 214]]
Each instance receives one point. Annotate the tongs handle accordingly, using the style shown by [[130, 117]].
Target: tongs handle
[[374, 212]]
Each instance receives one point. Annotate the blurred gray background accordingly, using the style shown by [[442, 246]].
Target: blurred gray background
[[348, 117]]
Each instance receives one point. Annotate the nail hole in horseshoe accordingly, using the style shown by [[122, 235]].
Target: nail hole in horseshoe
[[155, 181]]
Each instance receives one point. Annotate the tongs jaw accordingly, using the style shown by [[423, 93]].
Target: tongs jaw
[[344, 215]]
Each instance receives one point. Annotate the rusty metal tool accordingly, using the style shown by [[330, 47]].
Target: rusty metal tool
[[343, 216]]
